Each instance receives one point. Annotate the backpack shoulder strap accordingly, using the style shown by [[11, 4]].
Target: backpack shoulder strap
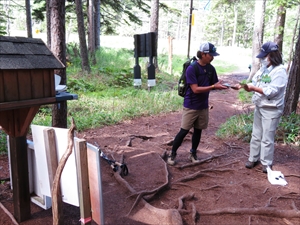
[[196, 68], [210, 73]]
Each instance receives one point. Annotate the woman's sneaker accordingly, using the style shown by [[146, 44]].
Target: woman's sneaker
[[171, 159], [193, 158]]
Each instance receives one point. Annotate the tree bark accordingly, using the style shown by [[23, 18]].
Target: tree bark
[[279, 26], [293, 40], [293, 85], [258, 34], [154, 26], [91, 31], [48, 19], [82, 41], [58, 47], [97, 24]]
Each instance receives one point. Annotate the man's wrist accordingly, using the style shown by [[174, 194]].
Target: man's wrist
[[213, 87]]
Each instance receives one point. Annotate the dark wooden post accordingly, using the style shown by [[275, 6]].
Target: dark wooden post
[[19, 167]]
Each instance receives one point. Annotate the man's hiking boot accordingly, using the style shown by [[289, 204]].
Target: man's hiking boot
[[171, 159], [193, 158]]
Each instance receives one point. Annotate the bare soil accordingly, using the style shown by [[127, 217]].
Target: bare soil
[[218, 190]]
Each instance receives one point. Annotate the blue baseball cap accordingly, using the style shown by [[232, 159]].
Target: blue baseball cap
[[266, 48], [208, 48]]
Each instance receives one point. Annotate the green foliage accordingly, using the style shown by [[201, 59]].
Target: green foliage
[[289, 129], [245, 96], [3, 142], [238, 126]]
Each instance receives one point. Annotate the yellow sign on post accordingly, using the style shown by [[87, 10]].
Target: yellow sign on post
[[193, 19]]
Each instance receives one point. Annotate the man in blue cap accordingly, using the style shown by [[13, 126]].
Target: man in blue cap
[[195, 104], [268, 84]]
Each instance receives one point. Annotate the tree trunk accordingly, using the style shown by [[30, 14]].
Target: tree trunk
[[235, 26], [293, 40], [91, 32], [293, 86], [154, 26], [97, 24], [279, 26], [48, 19], [258, 33], [28, 19], [82, 41], [7, 8], [58, 47]]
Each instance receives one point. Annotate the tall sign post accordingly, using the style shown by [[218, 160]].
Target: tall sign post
[[190, 28]]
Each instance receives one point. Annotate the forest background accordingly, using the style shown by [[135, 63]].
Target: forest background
[[237, 27]]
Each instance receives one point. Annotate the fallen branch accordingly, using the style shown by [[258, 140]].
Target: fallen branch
[[60, 167], [261, 211], [9, 214]]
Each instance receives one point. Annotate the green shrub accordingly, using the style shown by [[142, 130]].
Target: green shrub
[[3, 142]]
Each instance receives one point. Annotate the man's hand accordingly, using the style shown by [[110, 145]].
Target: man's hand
[[220, 86]]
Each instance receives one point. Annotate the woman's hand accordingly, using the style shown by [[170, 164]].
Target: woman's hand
[[236, 87], [249, 87]]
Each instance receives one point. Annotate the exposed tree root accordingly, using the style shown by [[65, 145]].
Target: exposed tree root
[[190, 177], [287, 222], [200, 173], [233, 146], [188, 196], [201, 189], [230, 163], [217, 170], [9, 214], [200, 162], [194, 213], [265, 190], [292, 175], [182, 211], [285, 197], [262, 211], [168, 217]]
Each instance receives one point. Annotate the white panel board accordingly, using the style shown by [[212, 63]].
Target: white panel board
[[69, 187]]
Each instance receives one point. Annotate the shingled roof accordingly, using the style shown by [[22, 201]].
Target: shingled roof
[[26, 53]]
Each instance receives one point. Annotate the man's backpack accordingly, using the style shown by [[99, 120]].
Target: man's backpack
[[182, 86]]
